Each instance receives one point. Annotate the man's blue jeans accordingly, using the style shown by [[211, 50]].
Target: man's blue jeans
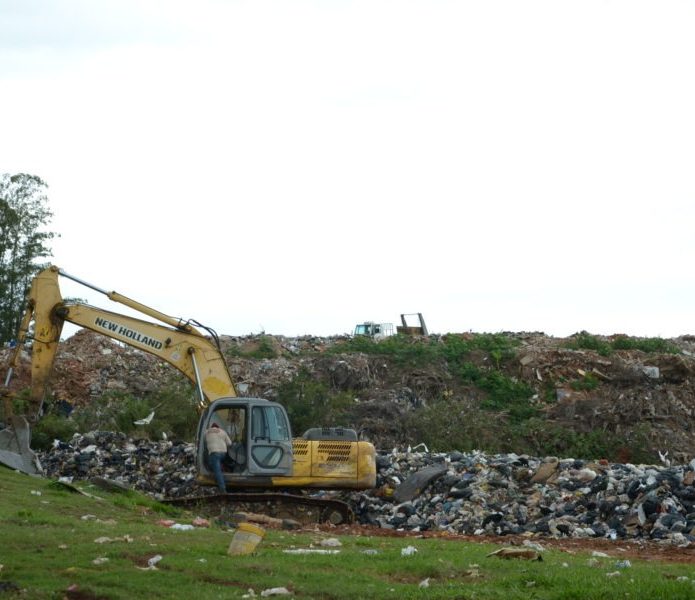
[[215, 459]]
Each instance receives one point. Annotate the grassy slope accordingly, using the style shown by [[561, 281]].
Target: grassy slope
[[47, 546]]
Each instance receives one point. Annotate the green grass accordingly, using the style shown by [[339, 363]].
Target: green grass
[[413, 351], [49, 544], [605, 347]]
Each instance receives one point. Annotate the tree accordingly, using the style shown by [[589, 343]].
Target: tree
[[24, 215]]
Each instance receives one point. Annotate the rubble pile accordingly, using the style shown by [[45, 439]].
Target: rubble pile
[[475, 494], [162, 469], [507, 494], [629, 394]]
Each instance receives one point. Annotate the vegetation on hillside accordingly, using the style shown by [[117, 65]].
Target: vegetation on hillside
[[480, 401]]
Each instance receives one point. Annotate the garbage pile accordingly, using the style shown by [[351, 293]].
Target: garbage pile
[[508, 494], [161, 469], [472, 493]]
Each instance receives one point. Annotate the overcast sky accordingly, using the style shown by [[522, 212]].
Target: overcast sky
[[297, 167]]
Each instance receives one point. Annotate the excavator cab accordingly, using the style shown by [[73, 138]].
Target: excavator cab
[[260, 434]]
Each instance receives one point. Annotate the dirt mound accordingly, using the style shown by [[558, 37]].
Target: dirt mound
[[619, 392]]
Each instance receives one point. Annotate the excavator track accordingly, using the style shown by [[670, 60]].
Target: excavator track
[[303, 509]]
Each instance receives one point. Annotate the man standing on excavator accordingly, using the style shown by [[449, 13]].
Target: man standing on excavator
[[217, 442]]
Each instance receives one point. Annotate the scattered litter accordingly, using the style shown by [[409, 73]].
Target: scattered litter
[[331, 542], [614, 574], [246, 539], [88, 517], [408, 551], [62, 546], [65, 479], [249, 594], [108, 540], [565, 565], [593, 562], [152, 563], [202, 560], [682, 578], [146, 421], [200, 522], [473, 572], [310, 551], [100, 561], [154, 560], [278, 591], [425, 583], [535, 545], [623, 564], [35, 493], [166, 522], [522, 553], [530, 584], [181, 527], [598, 554], [370, 552]]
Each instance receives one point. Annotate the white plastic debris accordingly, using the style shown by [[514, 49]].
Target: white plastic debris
[[35, 493], [623, 564], [88, 517], [154, 560], [278, 591], [614, 574], [370, 552], [425, 583], [100, 560], [535, 545], [146, 421], [421, 445], [598, 554], [330, 542], [108, 540], [181, 527], [65, 479], [310, 551], [408, 551]]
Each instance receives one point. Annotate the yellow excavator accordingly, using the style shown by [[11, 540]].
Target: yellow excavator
[[264, 454]]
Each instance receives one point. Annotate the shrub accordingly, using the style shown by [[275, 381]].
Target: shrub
[[502, 392], [623, 342], [588, 382], [265, 349], [586, 341], [52, 427], [310, 403]]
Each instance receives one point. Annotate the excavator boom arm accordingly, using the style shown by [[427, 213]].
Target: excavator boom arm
[[182, 346]]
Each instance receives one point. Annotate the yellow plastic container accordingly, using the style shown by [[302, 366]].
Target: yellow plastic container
[[246, 538]]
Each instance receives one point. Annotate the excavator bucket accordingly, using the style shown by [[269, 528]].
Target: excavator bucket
[[15, 451]]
